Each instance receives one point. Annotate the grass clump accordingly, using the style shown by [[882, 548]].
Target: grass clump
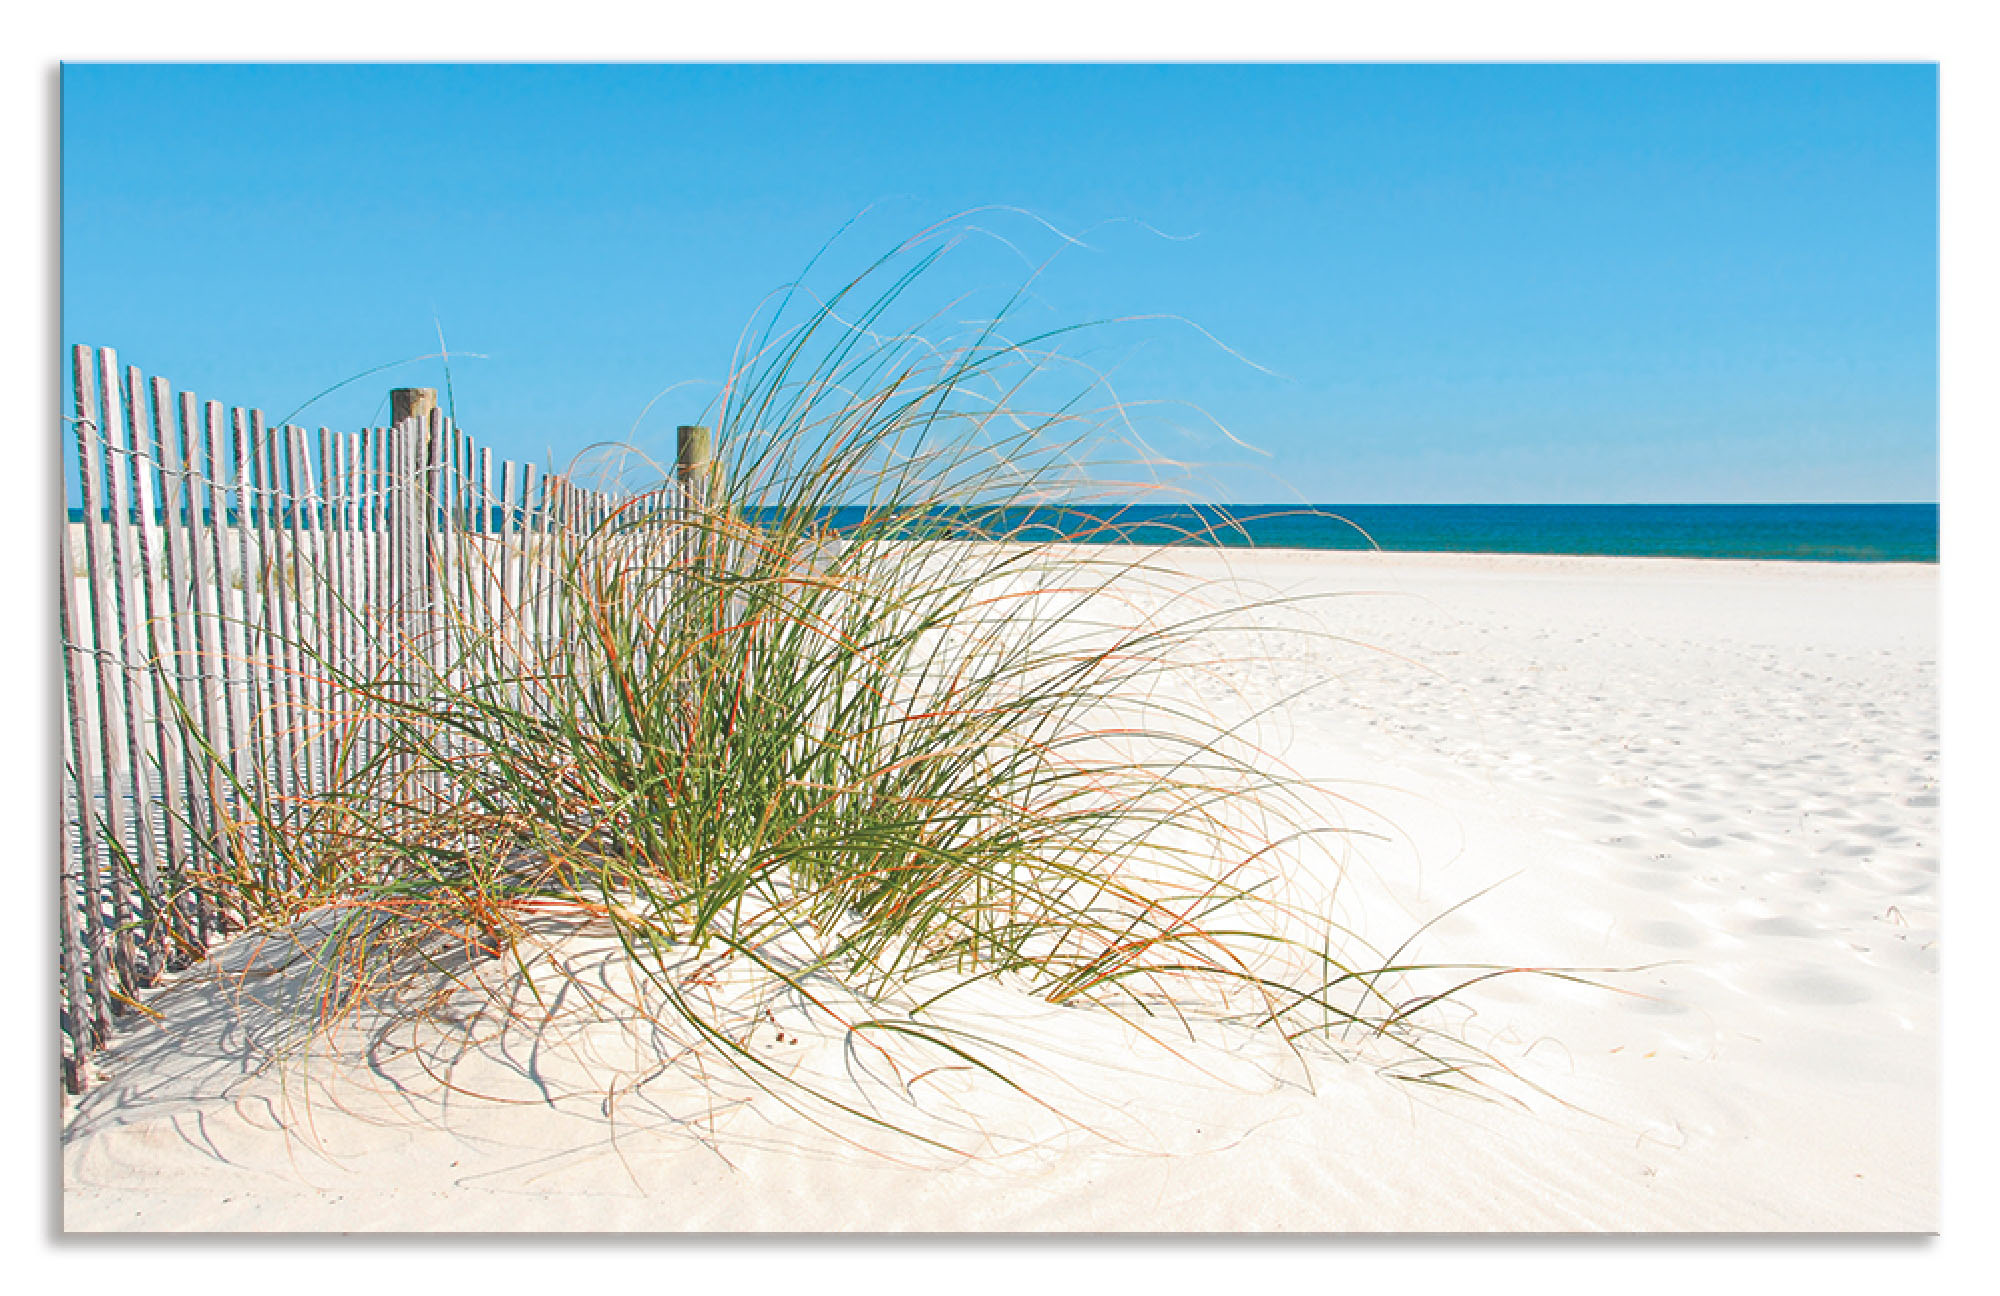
[[851, 729]]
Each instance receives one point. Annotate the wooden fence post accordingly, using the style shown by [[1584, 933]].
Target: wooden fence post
[[407, 403], [696, 460]]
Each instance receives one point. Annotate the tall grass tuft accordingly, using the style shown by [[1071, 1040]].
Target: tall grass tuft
[[846, 724]]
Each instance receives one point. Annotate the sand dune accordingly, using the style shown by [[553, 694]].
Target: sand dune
[[1718, 778]]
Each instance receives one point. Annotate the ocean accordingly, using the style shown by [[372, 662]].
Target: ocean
[[1797, 532]]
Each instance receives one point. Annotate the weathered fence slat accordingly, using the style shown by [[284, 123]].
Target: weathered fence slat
[[108, 645], [174, 677], [370, 605], [343, 581], [225, 724], [436, 533], [250, 639], [200, 667], [121, 482], [80, 912], [281, 605], [299, 576], [488, 617]]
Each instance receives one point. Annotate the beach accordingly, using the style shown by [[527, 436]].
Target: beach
[[1709, 787]]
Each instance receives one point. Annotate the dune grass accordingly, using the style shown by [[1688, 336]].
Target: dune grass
[[834, 723]]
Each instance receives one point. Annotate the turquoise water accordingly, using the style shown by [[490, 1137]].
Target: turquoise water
[[1807, 532], [1800, 532]]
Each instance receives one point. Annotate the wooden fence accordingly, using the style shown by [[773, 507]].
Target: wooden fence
[[225, 575]]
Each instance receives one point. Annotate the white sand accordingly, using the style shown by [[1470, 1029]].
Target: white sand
[[1725, 769]]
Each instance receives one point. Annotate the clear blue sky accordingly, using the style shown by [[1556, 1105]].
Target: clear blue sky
[[1467, 284]]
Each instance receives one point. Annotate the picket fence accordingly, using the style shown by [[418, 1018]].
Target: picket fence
[[223, 573]]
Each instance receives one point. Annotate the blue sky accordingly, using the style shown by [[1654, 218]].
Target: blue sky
[[1513, 283]]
